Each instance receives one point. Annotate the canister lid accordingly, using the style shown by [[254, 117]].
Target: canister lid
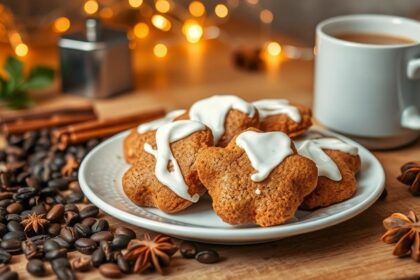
[[94, 37]]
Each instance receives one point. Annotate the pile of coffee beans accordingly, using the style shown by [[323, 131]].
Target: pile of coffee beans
[[32, 183]]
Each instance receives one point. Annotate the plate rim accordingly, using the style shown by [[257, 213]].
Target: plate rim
[[233, 234]]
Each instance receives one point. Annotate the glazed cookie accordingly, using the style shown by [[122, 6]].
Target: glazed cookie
[[225, 115], [137, 137], [258, 178], [165, 175], [338, 163], [280, 115]]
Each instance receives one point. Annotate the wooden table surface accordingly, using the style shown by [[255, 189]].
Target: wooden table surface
[[349, 250]]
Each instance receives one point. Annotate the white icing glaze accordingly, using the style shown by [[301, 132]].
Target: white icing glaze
[[313, 149], [169, 117], [264, 150], [212, 112], [270, 107], [165, 135]]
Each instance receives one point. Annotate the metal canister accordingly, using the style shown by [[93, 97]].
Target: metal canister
[[95, 63]]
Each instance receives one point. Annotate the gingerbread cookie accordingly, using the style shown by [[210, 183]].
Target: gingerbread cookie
[[225, 115], [258, 178], [136, 139], [337, 163], [165, 175], [280, 115]]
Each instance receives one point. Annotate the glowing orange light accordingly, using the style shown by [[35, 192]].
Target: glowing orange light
[[21, 49], [253, 2], [221, 11], [135, 3], [266, 16], [160, 50], [192, 31], [273, 49], [161, 22], [141, 30], [106, 12], [163, 6], [61, 24], [91, 7], [196, 8]]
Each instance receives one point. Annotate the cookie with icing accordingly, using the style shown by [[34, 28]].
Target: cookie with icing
[[258, 178], [164, 176], [280, 115], [225, 115], [137, 137], [338, 163]]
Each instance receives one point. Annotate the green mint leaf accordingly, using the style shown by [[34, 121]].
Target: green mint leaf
[[14, 68], [39, 77], [2, 88], [18, 100]]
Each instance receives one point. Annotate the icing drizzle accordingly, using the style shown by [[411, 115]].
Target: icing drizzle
[[271, 107], [264, 150], [313, 149], [165, 135], [212, 112], [169, 117]]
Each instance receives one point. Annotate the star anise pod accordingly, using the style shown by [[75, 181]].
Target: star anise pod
[[148, 253], [34, 222], [404, 230], [70, 166], [410, 175]]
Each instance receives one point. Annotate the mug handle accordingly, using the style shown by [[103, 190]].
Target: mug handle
[[410, 117]]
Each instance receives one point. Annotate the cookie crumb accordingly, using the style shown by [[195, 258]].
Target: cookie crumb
[[258, 191]]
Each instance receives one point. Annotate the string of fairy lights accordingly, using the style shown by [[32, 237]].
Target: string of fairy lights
[[194, 22]]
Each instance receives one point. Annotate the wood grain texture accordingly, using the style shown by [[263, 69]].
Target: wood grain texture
[[350, 250]]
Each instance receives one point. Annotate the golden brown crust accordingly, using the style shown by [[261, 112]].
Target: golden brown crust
[[285, 124], [134, 142], [225, 172], [327, 191], [143, 188], [235, 122]]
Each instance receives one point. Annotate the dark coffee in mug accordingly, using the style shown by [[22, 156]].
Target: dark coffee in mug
[[374, 39]]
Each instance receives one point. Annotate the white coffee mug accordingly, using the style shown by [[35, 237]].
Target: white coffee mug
[[369, 92]]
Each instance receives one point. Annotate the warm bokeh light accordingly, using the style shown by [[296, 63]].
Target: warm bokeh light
[[160, 50], [221, 10], [135, 3], [91, 7], [192, 31], [212, 32], [61, 24], [266, 16], [163, 6], [141, 30], [233, 3], [253, 2], [21, 49], [106, 12], [161, 22], [273, 49], [196, 8]]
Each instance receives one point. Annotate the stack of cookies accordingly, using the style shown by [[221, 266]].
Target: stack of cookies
[[243, 155]]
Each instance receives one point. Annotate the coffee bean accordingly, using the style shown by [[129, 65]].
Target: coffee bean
[[56, 254], [31, 250], [12, 246], [3, 229], [100, 225], [40, 239], [60, 263], [75, 197], [89, 211], [110, 270], [61, 242], [60, 199], [71, 218], [9, 275], [36, 267], [25, 193], [6, 202], [71, 207], [68, 234], [188, 250], [4, 180], [62, 269], [89, 221], [15, 235], [50, 245], [102, 235], [6, 195], [55, 213], [59, 184], [39, 209], [207, 256], [4, 268], [75, 187], [5, 256], [81, 264], [54, 229], [85, 246], [14, 226], [33, 182], [122, 263], [125, 231], [48, 191], [13, 217], [98, 257], [120, 242], [14, 208], [107, 249], [82, 230]]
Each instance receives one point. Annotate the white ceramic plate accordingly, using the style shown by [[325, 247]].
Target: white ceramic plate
[[100, 179]]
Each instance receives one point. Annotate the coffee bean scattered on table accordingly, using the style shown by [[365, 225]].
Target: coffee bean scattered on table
[[207, 256], [36, 267], [110, 270]]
